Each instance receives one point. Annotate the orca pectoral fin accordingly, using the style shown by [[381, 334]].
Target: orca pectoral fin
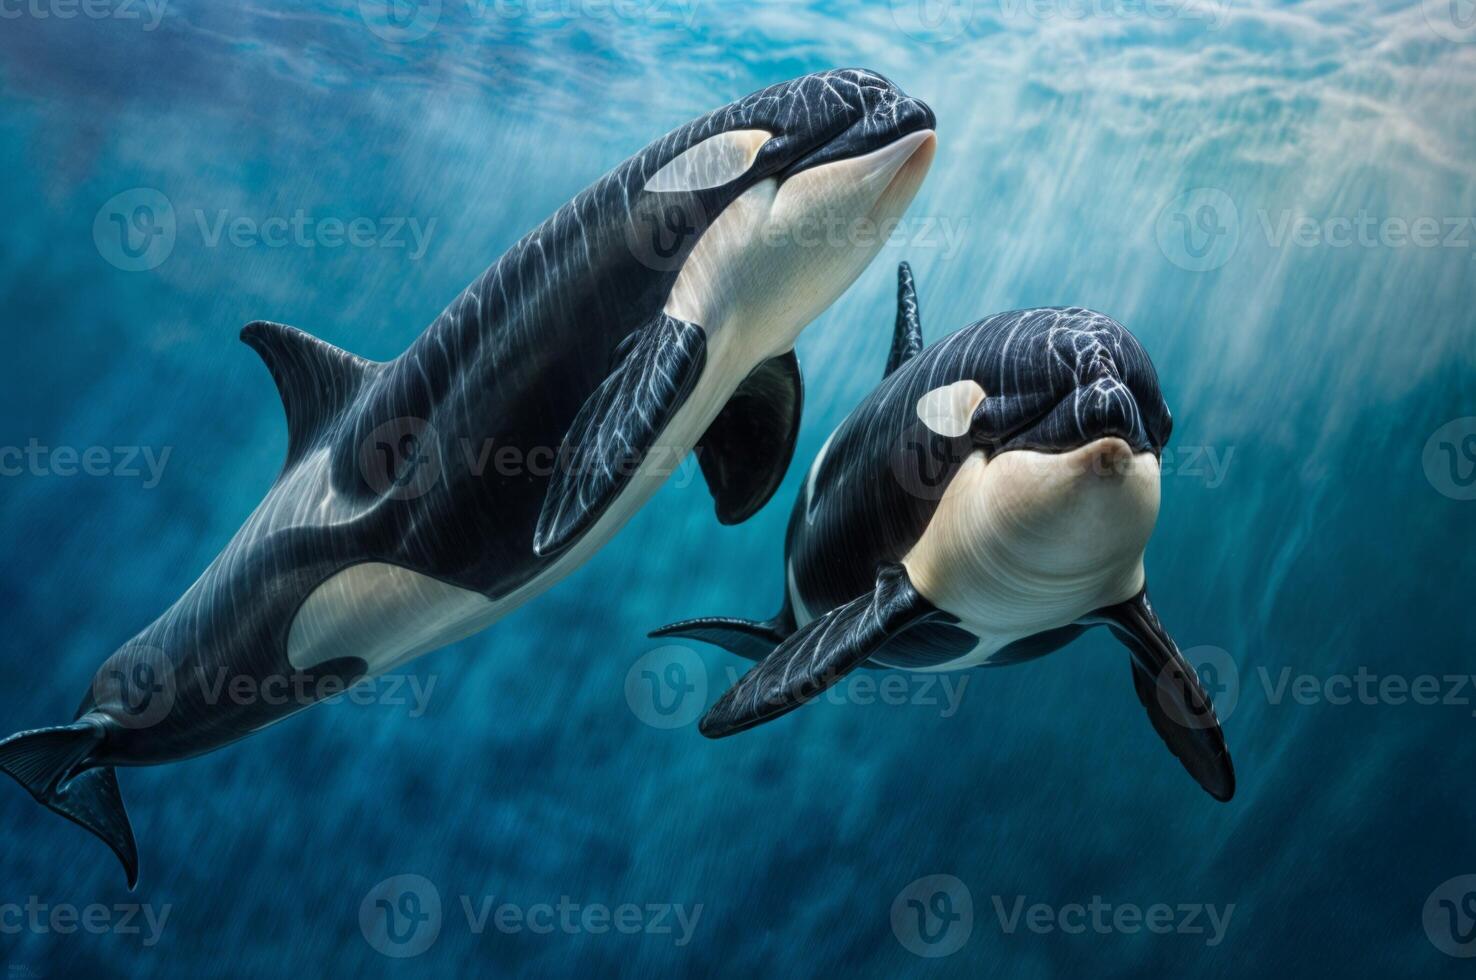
[[617, 428], [818, 655], [746, 451], [1169, 688], [745, 637]]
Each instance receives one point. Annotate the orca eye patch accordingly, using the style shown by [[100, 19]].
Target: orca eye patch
[[949, 410], [716, 161]]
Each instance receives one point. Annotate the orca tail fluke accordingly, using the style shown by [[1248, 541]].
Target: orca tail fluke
[[745, 637], [46, 763]]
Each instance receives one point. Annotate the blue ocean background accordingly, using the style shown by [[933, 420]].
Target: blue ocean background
[[1190, 168]]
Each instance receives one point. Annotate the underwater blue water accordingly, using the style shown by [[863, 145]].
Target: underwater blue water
[[1227, 179]]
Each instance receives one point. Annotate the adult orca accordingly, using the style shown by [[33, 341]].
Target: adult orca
[[985, 505], [655, 312]]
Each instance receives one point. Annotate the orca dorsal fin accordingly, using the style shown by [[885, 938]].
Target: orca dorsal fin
[[315, 379], [907, 339]]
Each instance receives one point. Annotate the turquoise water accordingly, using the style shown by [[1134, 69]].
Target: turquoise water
[[1228, 180]]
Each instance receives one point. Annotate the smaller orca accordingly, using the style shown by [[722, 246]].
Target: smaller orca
[[986, 504]]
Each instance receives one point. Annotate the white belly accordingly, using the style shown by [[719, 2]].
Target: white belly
[[1031, 541]]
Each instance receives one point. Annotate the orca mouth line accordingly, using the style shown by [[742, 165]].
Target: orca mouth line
[[865, 137], [1014, 438]]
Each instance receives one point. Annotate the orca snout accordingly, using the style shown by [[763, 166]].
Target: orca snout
[[876, 114]]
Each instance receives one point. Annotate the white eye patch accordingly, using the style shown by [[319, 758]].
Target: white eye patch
[[712, 163], [949, 410]]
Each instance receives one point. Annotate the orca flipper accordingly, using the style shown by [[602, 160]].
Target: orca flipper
[[745, 637], [43, 761], [1169, 688], [747, 449], [617, 427], [907, 338], [315, 379], [819, 654]]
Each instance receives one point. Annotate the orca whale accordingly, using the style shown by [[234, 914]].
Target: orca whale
[[988, 502], [654, 313]]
